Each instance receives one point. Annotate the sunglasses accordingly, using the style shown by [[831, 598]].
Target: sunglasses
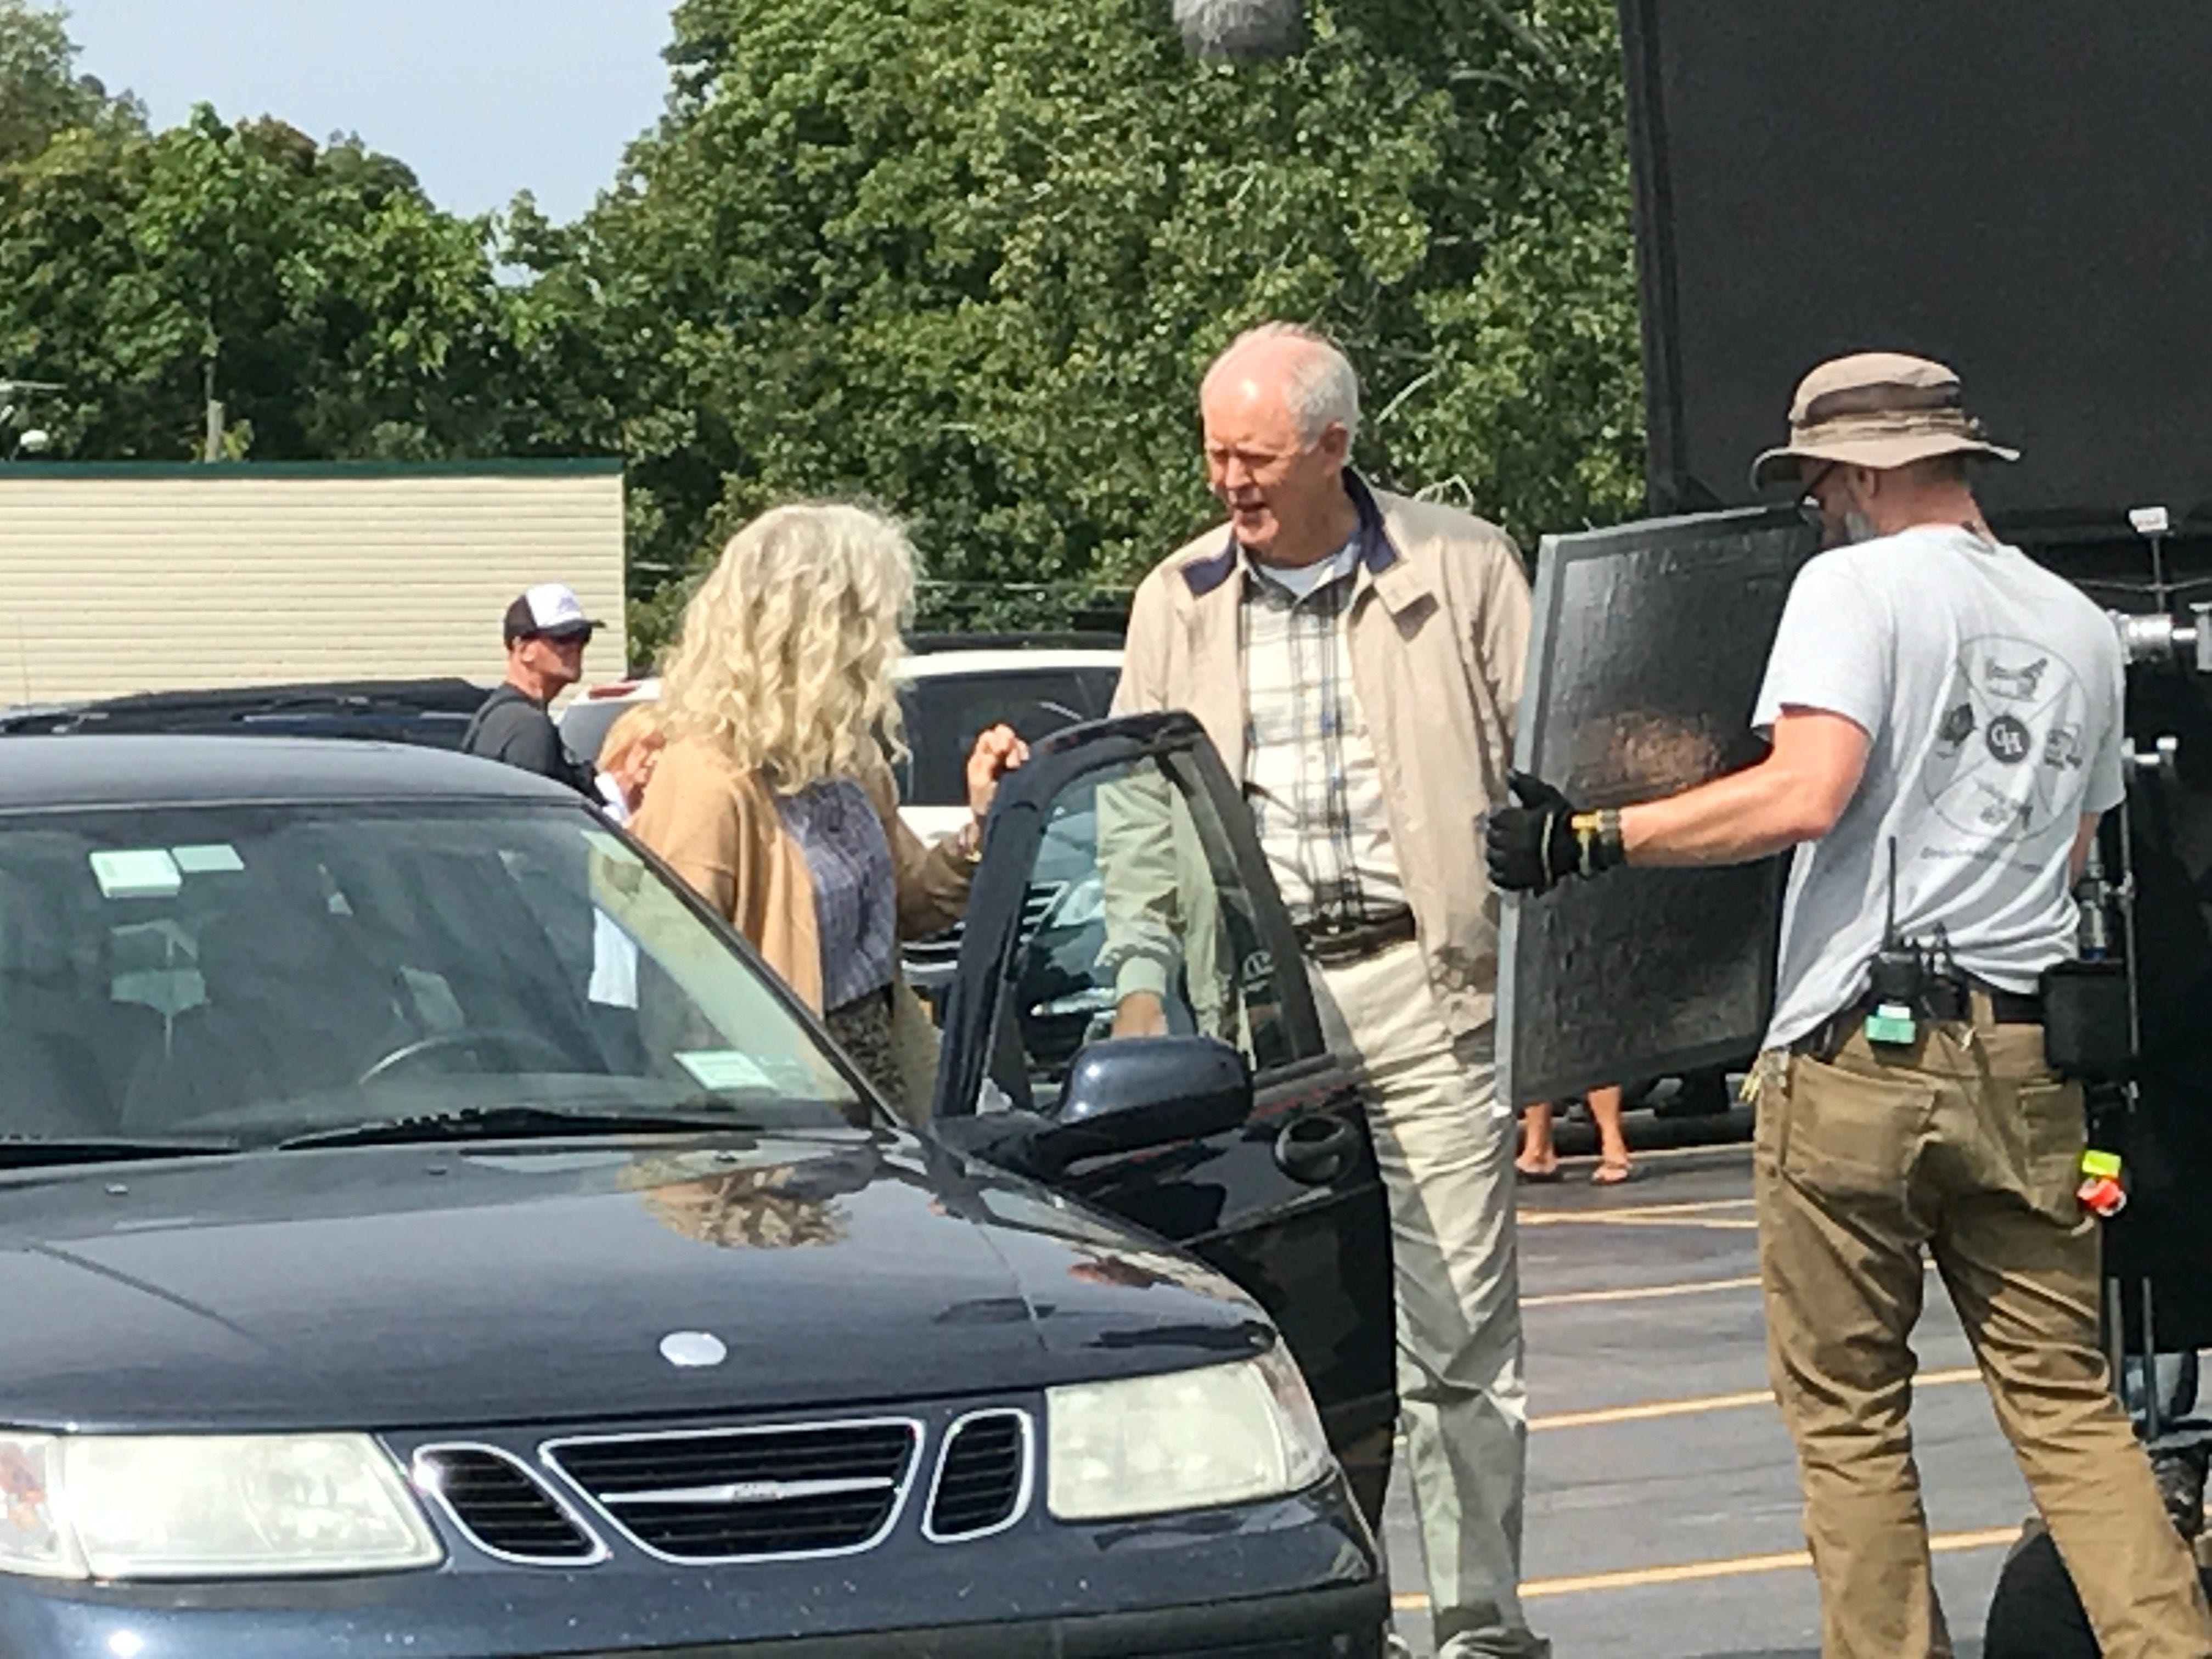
[[1810, 487]]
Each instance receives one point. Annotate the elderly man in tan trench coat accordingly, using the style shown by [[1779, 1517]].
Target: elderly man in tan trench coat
[[1356, 657]]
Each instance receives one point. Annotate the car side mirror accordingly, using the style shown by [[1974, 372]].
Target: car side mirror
[[1129, 1093]]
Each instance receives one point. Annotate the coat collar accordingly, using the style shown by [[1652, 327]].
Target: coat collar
[[1380, 564]]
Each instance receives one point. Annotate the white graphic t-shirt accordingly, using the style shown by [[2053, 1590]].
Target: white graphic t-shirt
[[1991, 692]]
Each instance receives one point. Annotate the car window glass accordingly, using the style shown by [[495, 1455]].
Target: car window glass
[[586, 722], [1136, 888], [263, 972], [946, 713]]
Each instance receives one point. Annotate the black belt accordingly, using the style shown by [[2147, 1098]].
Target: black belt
[[1826, 1040], [1334, 941]]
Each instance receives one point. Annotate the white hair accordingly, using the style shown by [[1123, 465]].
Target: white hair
[[1320, 385], [1242, 28]]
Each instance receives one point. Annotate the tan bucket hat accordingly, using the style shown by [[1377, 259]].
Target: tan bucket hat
[[1879, 409]]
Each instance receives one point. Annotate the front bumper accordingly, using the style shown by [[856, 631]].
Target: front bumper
[[1297, 1578], [1336, 1624]]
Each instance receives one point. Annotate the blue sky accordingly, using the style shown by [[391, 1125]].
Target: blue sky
[[482, 98]]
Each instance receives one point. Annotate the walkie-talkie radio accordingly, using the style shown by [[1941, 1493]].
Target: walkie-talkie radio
[[1897, 979], [1911, 980]]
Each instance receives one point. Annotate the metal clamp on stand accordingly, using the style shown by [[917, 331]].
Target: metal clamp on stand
[[2090, 1028]]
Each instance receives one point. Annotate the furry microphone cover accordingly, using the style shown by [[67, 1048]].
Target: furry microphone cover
[[1242, 28]]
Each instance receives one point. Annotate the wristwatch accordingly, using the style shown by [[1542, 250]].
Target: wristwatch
[[969, 843]]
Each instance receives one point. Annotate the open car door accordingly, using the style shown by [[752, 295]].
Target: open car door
[[1647, 648], [1123, 851]]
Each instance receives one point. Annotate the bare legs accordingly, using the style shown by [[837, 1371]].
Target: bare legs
[[1539, 1158]]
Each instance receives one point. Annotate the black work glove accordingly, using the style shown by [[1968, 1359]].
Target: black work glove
[[1538, 844]]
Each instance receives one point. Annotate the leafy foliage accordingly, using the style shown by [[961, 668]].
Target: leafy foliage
[[314, 291], [966, 258], [969, 257], [41, 94]]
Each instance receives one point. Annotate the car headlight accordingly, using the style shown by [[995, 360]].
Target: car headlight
[[1190, 1440], [205, 1506]]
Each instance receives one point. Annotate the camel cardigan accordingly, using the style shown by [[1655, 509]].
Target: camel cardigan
[[719, 829]]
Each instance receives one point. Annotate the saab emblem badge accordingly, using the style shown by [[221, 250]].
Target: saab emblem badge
[[693, 1348]]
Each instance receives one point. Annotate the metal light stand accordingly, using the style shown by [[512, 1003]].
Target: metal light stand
[[2157, 639]]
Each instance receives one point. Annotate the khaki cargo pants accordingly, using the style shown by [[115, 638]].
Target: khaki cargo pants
[[1965, 1148]]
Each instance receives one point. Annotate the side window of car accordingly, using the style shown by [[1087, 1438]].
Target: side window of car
[[1137, 907]]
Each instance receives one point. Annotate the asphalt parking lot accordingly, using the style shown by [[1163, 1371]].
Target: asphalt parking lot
[[1663, 1504]]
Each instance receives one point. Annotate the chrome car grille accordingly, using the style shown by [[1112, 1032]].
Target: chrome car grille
[[930, 962], [503, 1508], [984, 1476], [749, 1494]]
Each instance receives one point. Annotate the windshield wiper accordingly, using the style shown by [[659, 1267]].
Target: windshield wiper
[[513, 1123], [27, 1154]]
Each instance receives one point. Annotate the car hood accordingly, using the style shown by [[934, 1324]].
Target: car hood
[[416, 1286]]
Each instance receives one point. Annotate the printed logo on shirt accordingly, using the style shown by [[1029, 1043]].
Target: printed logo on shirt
[[2009, 753]]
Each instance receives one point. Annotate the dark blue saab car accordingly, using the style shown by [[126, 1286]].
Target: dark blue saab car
[[425, 1231]]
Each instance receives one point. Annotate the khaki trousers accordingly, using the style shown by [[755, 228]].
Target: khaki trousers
[[1966, 1147], [1445, 1143]]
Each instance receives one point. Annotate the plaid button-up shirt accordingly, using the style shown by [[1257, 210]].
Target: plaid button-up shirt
[[1310, 770]]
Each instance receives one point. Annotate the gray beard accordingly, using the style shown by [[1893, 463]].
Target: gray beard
[[1242, 28], [1857, 527]]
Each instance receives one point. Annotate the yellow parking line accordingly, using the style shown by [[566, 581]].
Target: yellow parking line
[[1695, 1207], [1640, 1293], [1697, 1404], [1619, 1218], [1698, 1213], [1728, 1567]]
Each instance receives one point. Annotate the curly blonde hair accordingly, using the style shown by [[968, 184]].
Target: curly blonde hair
[[784, 663]]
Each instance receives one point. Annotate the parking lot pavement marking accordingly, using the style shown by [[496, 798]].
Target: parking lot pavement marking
[[1690, 1206], [1623, 1219], [1697, 1404], [1641, 1292], [1735, 1566]]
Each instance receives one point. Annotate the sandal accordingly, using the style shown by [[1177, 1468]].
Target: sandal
[[1614, 1175], [1539, 1177]]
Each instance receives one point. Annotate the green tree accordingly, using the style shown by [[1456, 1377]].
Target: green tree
[[314, 291], [969, 256], [41, 94]]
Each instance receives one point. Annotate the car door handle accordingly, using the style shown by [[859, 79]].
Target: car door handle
[[1317, 1149]]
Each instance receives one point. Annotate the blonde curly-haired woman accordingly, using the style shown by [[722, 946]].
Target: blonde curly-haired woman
[[774, 797]]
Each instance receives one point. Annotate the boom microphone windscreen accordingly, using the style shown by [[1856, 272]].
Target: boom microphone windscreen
[[1246, 29]]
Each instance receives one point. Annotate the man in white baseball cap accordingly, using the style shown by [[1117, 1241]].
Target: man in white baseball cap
[[546, 633]]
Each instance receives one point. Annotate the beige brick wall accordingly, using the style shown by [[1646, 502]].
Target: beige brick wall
[[115, 580]]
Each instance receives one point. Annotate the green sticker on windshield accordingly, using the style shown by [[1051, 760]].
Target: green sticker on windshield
[[601, 841], [215, 859], [138, 872], [724, 1068]]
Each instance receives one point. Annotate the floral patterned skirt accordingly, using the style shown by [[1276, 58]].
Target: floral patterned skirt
[[863, 1030]]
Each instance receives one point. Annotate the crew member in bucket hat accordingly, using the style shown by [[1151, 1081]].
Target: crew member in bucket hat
[[1937, 706], [1876, 409]]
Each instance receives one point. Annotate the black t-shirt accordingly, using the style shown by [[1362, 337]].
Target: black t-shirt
[[515, 729]]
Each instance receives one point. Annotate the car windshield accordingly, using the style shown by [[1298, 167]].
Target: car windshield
[[252, 974], [944, 714]]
